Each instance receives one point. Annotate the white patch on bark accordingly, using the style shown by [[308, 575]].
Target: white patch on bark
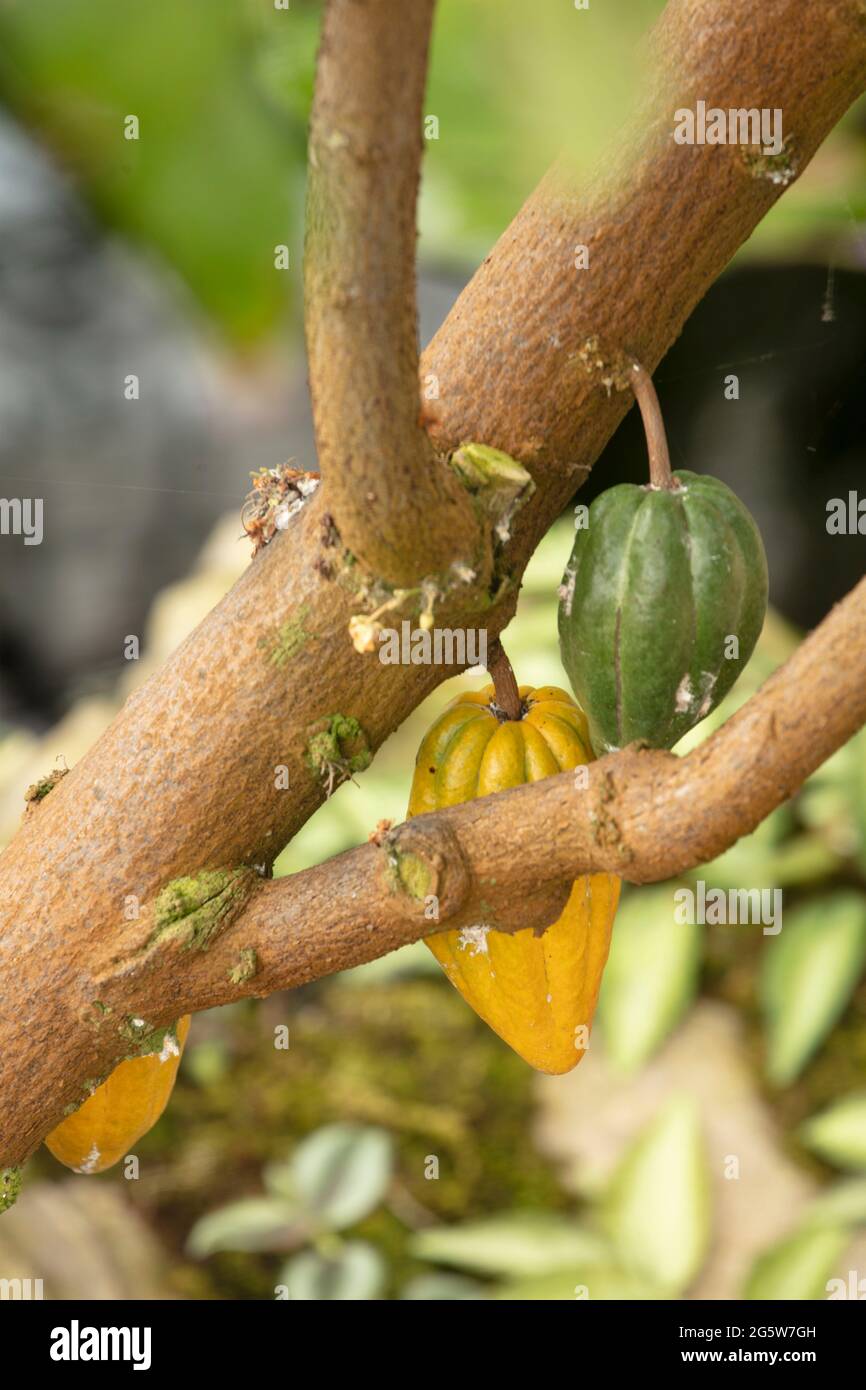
[[286, 510], [464, 573]]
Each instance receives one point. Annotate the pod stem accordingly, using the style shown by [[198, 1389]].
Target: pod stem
[[504, 681], [654, 428]]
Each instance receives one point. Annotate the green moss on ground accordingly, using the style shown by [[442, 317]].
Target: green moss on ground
[[410, 1056]]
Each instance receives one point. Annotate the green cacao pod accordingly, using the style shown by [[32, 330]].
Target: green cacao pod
[[658, 583]]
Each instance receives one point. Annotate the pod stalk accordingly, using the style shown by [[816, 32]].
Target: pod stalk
[[504, 682], [654, 428]]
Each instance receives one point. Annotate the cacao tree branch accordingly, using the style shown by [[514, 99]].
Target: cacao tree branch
[[642, 814], [659, 221], [403, 513], [184, 779]]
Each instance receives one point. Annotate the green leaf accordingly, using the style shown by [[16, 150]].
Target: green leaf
[[430, 1288], [341, 1172], [657, 1209], [515, 1243], [355, 1273], [831, 803], [804, 859], [843, 1204], [255, 1223], [808, 975], [763, 860], [797, 1267], [650, 978], [279, 1179], [838, 1134], [596, 1283]]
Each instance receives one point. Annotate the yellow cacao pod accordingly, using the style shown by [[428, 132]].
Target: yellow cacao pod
[[121, 1110], [537, 992]]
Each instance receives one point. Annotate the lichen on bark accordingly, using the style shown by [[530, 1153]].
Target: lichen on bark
[[246, 967], [337, 748], [288, 641], [194, 910]]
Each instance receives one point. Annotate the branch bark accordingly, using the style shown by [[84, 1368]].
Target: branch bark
[[184, 779], [509, 859], [660, 221], [359, 289]]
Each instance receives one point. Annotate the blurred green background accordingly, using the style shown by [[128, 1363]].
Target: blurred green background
[[222, 89], [713, 1142]]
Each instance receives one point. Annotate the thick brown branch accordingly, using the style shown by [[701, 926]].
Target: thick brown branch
[[507, 859], [535, 358], [400, 511], [185, 777]]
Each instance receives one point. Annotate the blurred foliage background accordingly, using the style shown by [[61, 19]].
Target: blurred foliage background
[[222, 88], [713, 1142]]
